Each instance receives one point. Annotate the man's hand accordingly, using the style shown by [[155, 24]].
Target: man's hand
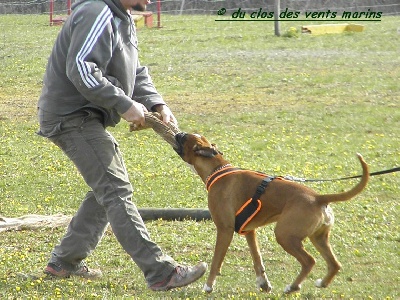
[[166, 114], [135, 114]]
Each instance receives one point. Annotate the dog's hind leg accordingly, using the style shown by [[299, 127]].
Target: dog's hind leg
[[293, 245], [262, 281], [224, 238], [320, 239]]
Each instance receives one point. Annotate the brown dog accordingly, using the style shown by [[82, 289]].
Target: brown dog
[[298, 211]]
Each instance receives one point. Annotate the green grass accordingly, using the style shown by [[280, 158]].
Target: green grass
[[301, 106]]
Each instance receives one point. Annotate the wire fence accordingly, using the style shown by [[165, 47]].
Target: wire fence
[[387, 7]]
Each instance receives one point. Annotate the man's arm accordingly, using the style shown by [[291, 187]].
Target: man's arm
[[90, 48], [146, 94]]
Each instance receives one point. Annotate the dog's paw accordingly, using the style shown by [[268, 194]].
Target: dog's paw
[[291, 289], [207, 289], [319, 283], [263, 284]]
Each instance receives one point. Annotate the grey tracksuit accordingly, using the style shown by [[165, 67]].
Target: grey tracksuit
[[94, 75]]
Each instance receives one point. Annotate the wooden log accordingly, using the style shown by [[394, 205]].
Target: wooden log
[[171, 214], [34, 222]]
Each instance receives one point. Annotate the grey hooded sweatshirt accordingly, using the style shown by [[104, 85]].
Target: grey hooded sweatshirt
[[94, 64]]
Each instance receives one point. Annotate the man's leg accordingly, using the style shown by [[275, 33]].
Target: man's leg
[[83, 234], [96, 154]]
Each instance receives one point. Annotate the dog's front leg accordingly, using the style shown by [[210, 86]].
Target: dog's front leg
[[224, 238], [262, 281]]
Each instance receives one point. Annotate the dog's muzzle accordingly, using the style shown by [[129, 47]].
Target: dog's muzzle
[[180, 141]]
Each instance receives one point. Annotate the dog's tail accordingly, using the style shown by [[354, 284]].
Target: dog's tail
[[326, 199]]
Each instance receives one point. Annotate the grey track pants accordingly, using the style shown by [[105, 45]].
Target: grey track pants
[[95, 152]]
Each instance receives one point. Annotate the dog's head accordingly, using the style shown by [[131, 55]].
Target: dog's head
[[190, 146]]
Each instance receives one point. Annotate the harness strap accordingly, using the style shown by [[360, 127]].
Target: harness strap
[[252, 206], [219, 174], [245, 214], [261, 188]]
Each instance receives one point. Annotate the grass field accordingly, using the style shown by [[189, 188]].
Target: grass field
[[300, 106]]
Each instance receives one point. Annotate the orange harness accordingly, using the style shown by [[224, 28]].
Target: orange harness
[[252, 206]]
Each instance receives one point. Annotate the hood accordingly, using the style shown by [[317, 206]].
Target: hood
[[115, 6]]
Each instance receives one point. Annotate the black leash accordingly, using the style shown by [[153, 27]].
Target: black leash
[[292, 178]]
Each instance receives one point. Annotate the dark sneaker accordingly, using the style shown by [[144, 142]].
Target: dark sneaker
[[181, 276], [83, 271]]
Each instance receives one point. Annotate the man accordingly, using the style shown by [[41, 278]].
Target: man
[[93, 78]]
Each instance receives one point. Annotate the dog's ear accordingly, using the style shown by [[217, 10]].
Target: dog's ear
[[206, 151], [216, 149]]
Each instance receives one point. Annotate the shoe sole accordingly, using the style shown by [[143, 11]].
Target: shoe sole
[[167, 288], [62, 275], [54, 274]]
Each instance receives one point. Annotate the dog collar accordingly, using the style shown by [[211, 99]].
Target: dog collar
[[219, 173]]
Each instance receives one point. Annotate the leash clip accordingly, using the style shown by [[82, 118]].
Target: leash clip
[[261, 188]]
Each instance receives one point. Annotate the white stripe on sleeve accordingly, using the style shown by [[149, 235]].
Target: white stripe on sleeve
[[83, 67]]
